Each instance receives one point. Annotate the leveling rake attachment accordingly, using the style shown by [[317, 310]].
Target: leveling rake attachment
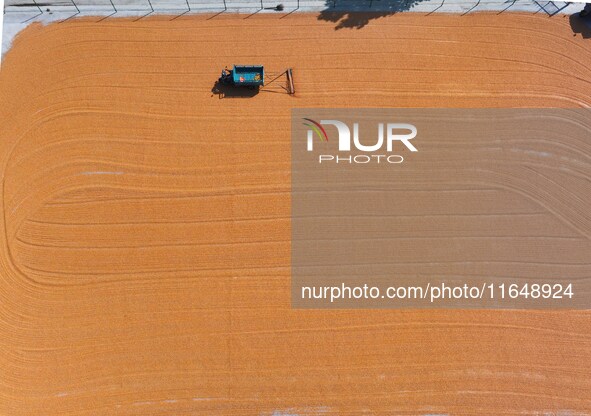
[[290, 86]]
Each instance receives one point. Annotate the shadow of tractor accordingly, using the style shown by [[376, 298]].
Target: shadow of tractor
[[231, 91]]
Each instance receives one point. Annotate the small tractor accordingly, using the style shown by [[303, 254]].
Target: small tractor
[[251, 76]]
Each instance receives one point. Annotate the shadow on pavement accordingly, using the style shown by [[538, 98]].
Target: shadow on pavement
[[581, 25], [353, 13]]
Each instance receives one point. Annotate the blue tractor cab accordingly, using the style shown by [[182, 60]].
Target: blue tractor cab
[[252, 76]]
